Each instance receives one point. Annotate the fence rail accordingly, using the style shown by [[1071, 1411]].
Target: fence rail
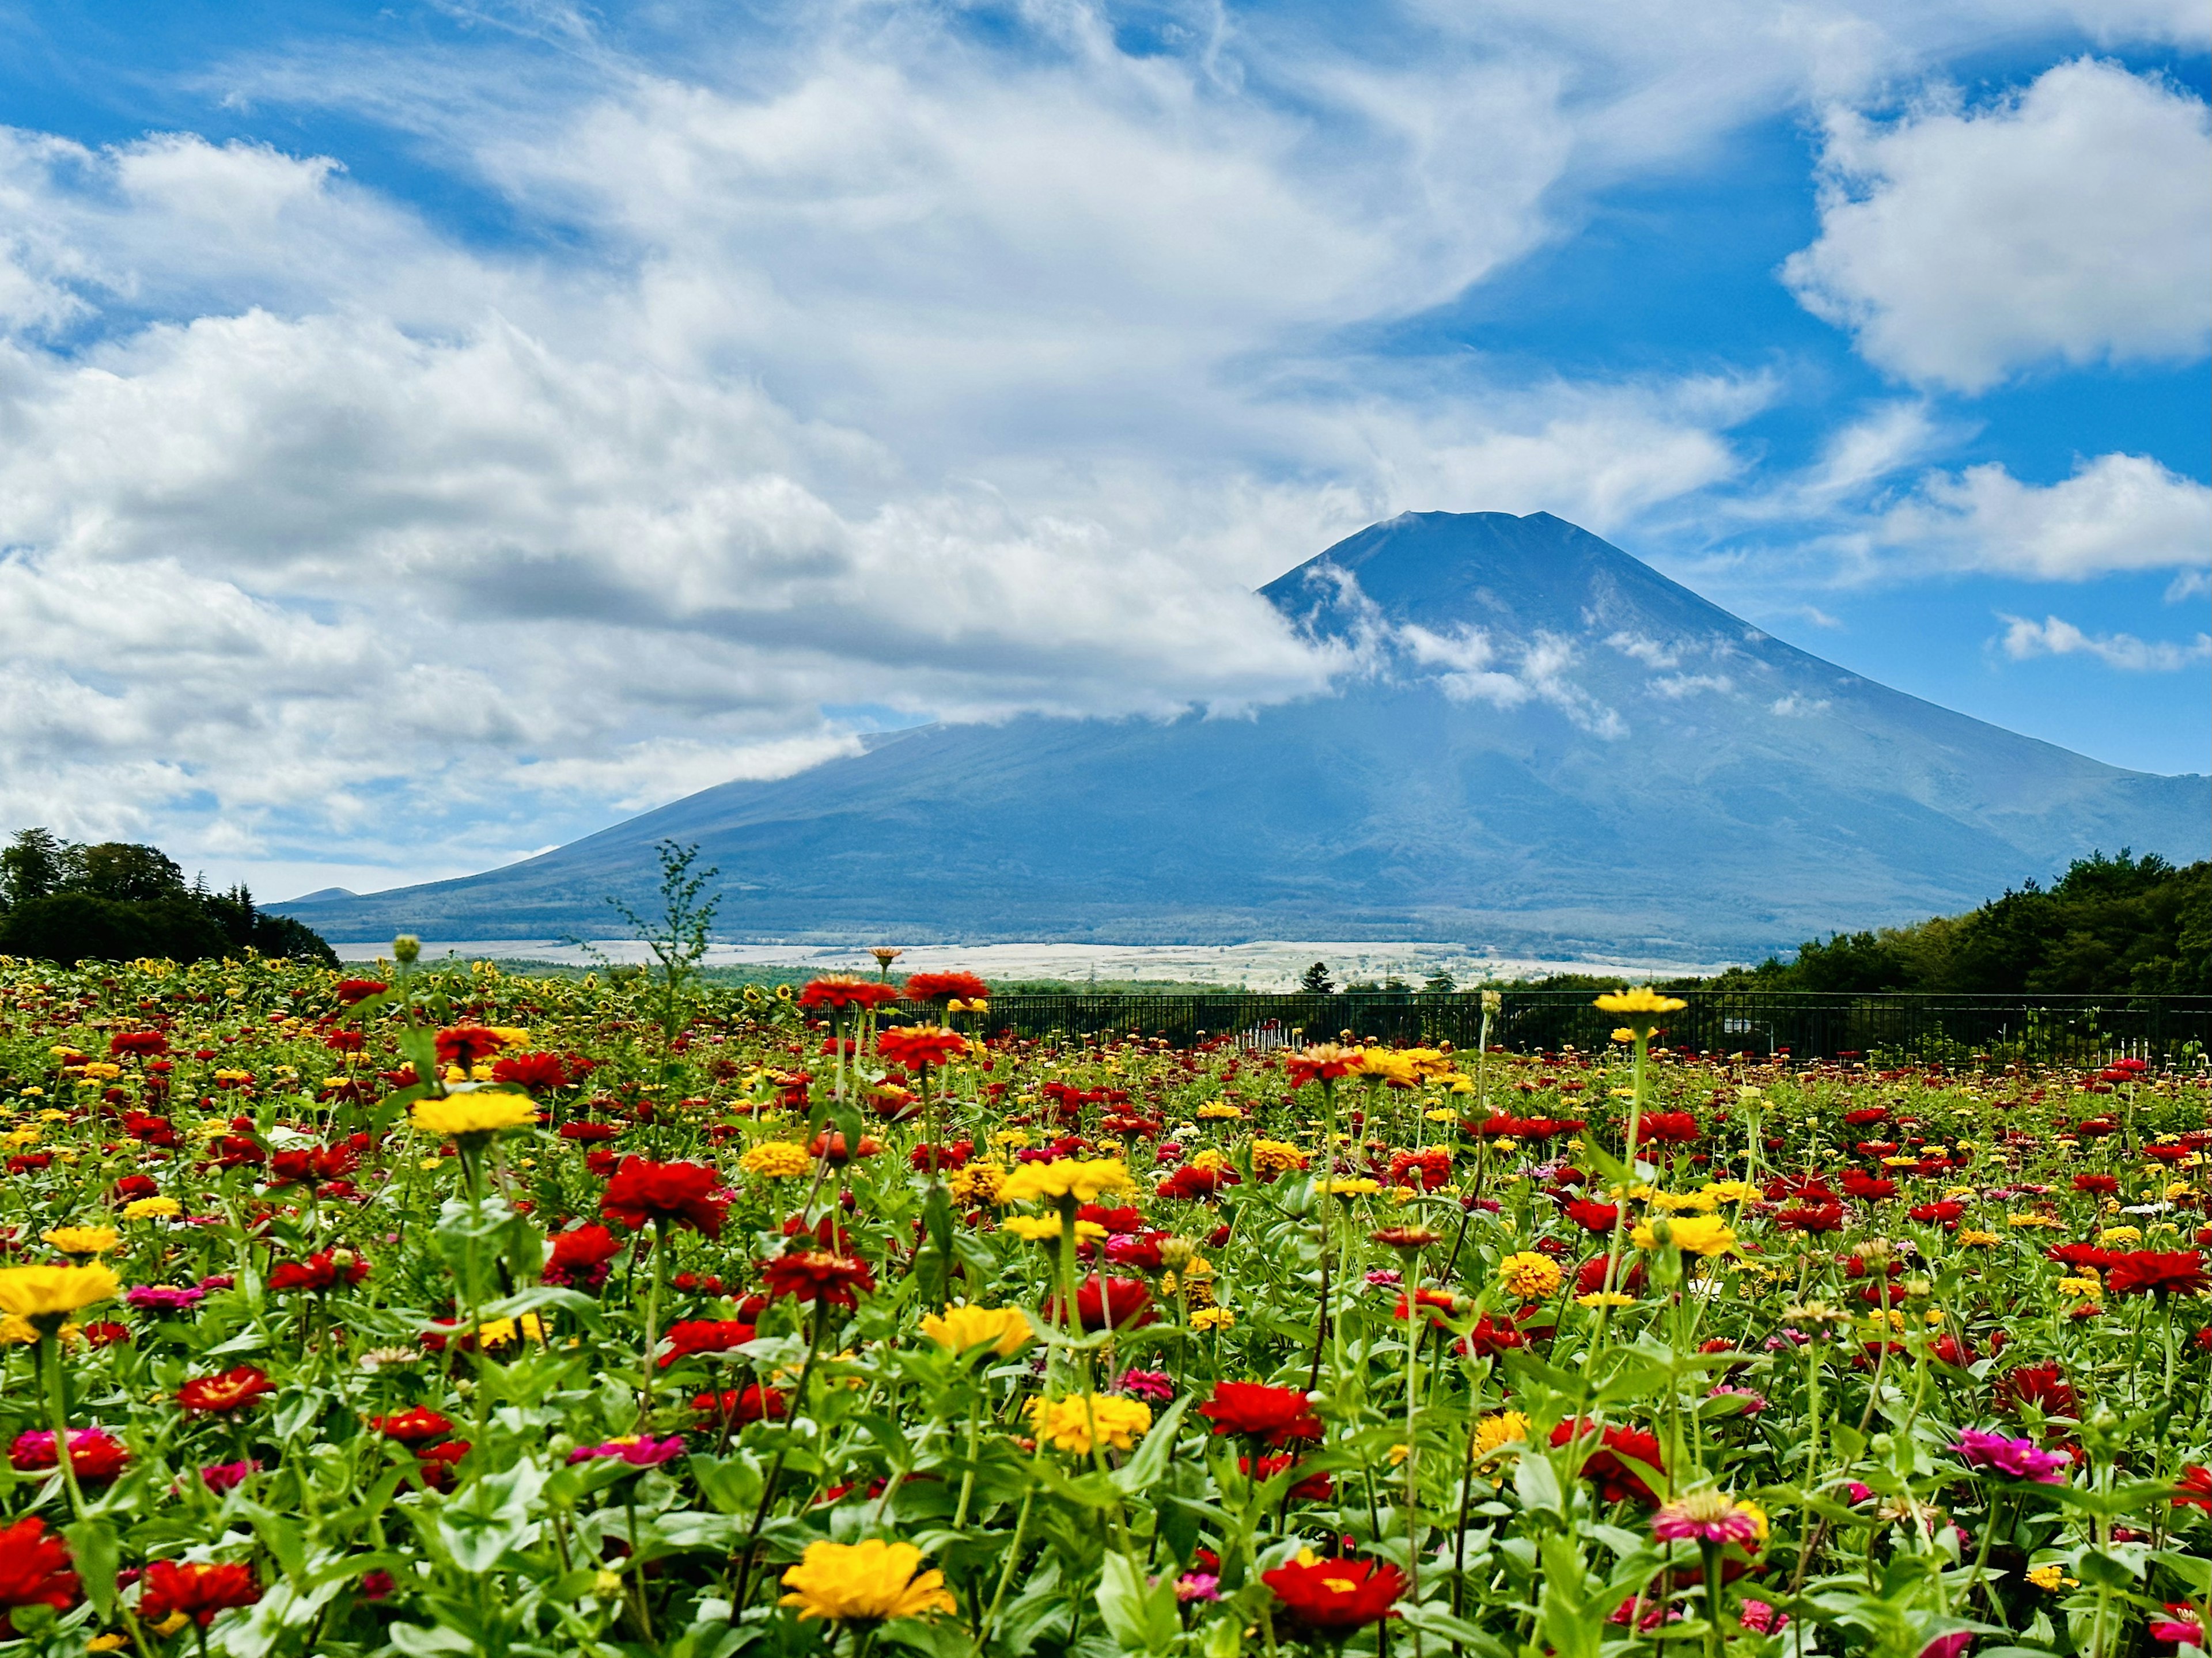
[[1959, 1030]]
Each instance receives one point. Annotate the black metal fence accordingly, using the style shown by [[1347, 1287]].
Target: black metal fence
[[1883, 1029]]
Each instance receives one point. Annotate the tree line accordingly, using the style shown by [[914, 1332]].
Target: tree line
[[115, 901]]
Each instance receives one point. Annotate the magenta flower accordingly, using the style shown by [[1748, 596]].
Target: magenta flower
[[1948, 1645], [1710, 1516], [163, 1298], [2023, 1459], [640, 1450], [220, 1477], [1197, 1586], [1762, 1619], [1154, 1385], [1753, 1400]]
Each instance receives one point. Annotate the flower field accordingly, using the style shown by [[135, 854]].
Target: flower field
[[460, 1312]]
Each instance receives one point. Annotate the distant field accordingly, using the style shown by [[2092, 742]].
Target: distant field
[[1274, 964]]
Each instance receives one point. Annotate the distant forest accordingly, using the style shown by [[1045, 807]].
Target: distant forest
[[2108, 924], [117, 901]]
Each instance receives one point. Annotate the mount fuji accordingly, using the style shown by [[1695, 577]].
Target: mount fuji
[[1541, 744]]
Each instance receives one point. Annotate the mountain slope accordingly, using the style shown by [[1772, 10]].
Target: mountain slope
[[1547, 745]]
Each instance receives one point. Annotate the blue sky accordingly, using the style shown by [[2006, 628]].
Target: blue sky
[[435, 431]]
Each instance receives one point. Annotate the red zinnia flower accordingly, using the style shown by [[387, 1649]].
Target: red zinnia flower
[[1616, 1481], [1945, 1213], [945, 987], [1253, 1408], [1191, 1184], [466, 1045], [137, 1041], [1426, 1170], [1592, 1216], [753, 1404], [311, 1165], [233, 1390], [1492, 1337], [581, 1255], [535, 1072], [2160, 1273], [1314, 1488], [198, 1591], [436, 1463], [321, 1271], [2102, 1185], [1333, 1595], [1812, 1218], [816, 1275], [680, 1193], [349, 990], [2040, 1385], [704, 1335], [413, 1426], [34, 1570], [1866, 1187], [840, 992], [918, 1046], [1669, 1128], [2194, 1489], [1130, 1302], [95, 1453], [1438, 1302]]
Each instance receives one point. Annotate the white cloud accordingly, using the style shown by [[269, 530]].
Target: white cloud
[[2115, 513], [2068, 222], [858, 362], [2025, 640], [1476, 670]]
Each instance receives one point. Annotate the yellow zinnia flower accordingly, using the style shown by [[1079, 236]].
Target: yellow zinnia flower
[[1696, 1234], [1037, 1229], [1006, 1330], [1212, 1318], [1278, 1156], [482, 1111], [1500, 1427], [81, 1240], [1349, 1188], [1065, 1180], [152, 1209], [864, 1583], [1642, 999], [1529, 1275], [776, 1160], [1069, 1424], [41, 1292]]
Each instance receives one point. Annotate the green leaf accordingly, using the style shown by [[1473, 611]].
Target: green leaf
[[1141, 1616], [1537, 1484], [95, 1553], [1143, 1471]]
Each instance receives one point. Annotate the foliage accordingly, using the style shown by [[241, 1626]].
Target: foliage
[[1322, 1350], [117, 901], [2108, 925]]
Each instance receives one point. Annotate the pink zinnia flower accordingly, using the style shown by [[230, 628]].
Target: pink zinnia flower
[[2023, 1459], [220, 1477], [1760, 1618], [1154, 1385], [641, 1450], [1710, 1516], [163, 1298]]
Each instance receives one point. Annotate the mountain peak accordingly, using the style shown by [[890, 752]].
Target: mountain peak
[[1540, 744], [1490, 570]]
